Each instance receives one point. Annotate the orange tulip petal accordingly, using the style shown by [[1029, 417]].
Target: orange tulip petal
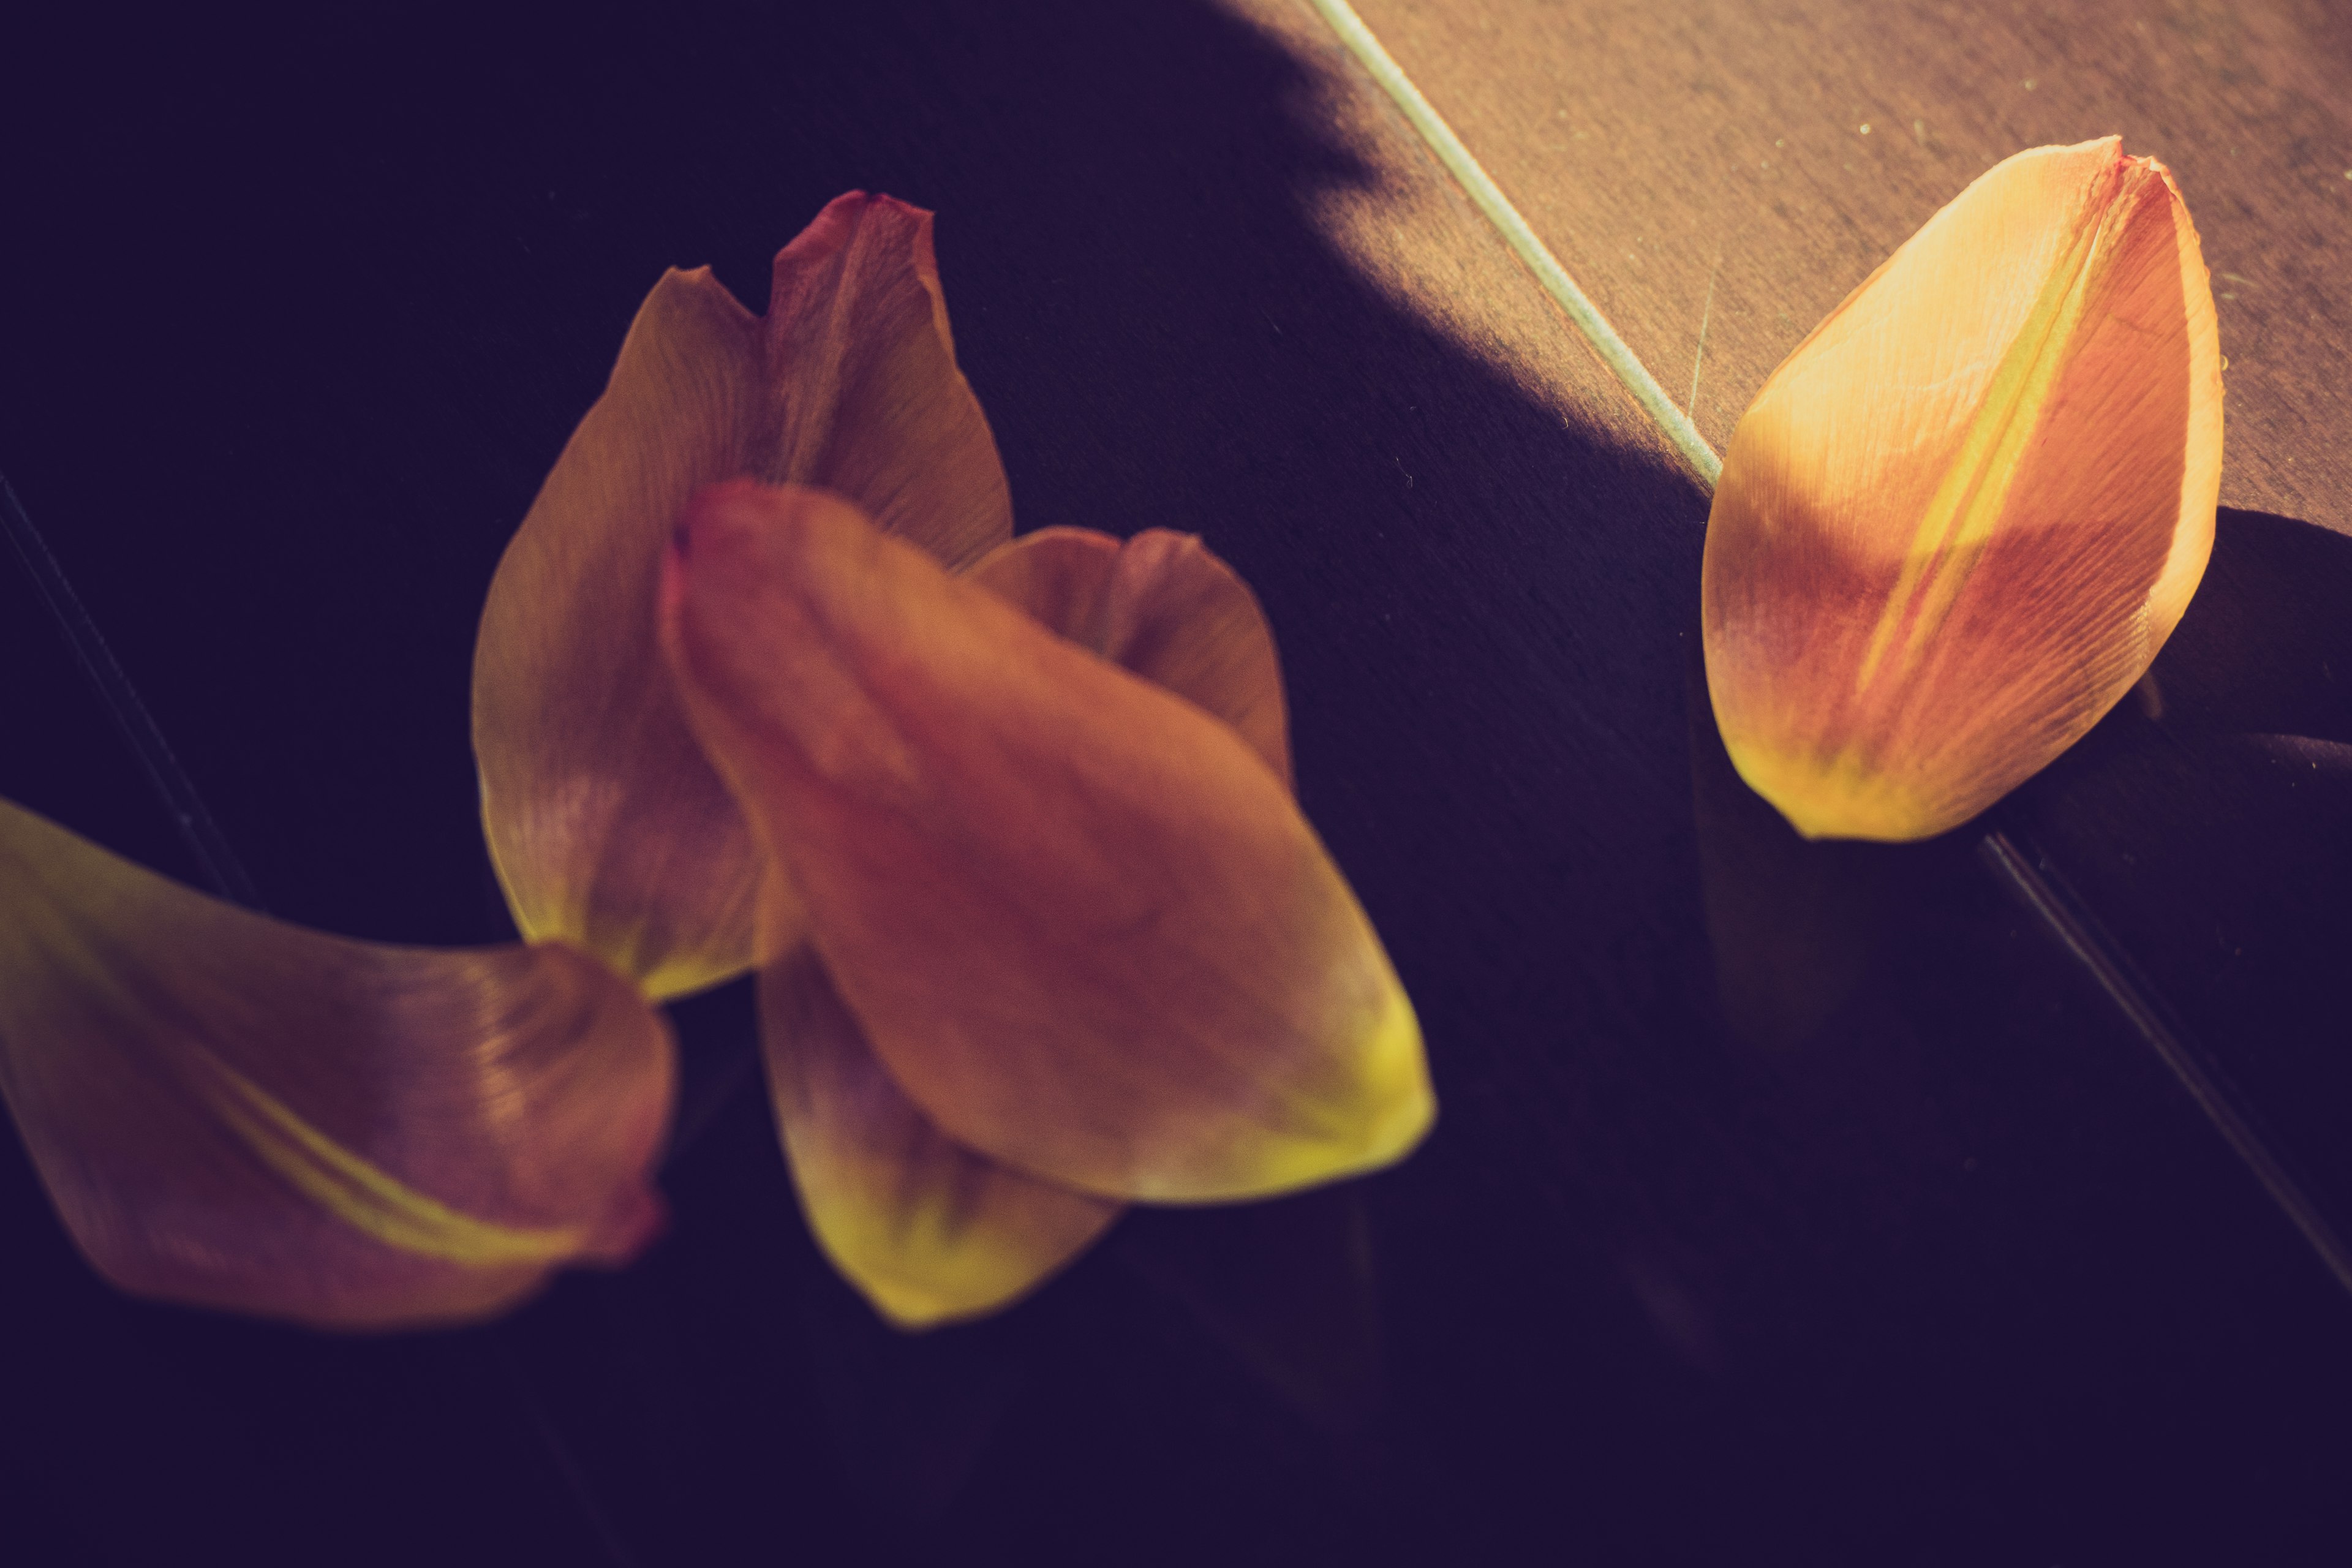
[[868, 401], [1960, 519], [234, 1112], [928, 1229], [1164, 607], [1080, 920], [607, 827]]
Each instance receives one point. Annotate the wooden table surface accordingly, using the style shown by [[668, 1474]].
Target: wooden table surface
[[1788, 1201], [1741, 166]]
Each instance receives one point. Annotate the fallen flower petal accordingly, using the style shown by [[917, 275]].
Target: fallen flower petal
[[929, 1230], [1078, 919], [1961, 517], [234, 1112], [607, 827]]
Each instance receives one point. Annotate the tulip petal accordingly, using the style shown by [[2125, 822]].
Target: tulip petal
[[234, 1112], [868, 402], [1080, 920], [928, 1229], [607, 827], [1162, 605], [1960, 519]]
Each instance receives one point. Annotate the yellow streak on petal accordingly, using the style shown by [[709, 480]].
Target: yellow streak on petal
[[1967, 505], [362, 1197], [1948, 536]]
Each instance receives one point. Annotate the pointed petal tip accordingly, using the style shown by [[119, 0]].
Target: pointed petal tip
[[859, 294], [897, 223], [638, 1218], [1395, 1106], [918, 1307], [1383, 1111], [840, 215]]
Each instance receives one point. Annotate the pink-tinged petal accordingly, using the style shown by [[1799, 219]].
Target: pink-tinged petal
[[607, 827], [1164, 607], [929, 1230], [1959, 520], [1079, 918], [868, 403], [234, 1112]]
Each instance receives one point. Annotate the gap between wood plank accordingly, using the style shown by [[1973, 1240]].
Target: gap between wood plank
[[2035, 883], [171, 782], [1489, 199]]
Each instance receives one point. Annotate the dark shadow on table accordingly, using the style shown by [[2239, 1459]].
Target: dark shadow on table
[[1873, 1261], [2208, 821]]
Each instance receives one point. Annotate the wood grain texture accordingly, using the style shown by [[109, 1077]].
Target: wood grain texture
[[1409, 231], [1737, 167]]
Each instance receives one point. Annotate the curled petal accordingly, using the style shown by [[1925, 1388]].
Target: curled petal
[[929, 1230], [1164, 607], [234, 1112], [1080, 920], [1963, 515], [607, 827]]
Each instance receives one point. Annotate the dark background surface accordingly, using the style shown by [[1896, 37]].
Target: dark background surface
[[1787, 1201]]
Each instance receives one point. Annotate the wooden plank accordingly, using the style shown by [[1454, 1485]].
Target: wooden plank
[[1404, 225], [1737, 168]]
